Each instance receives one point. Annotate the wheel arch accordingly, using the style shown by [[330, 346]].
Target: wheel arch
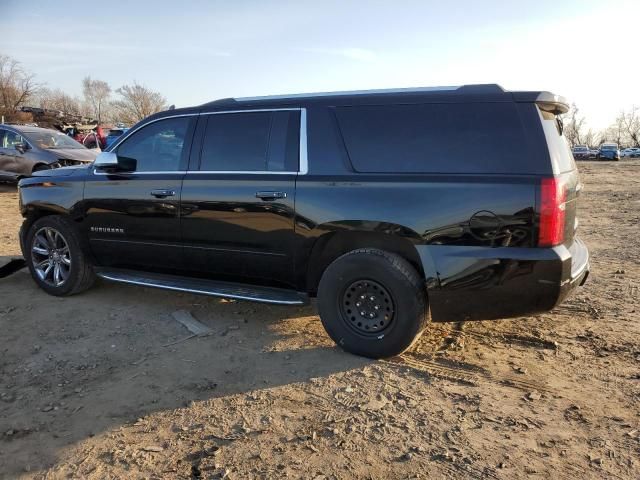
[[32, 214], [334, 242]]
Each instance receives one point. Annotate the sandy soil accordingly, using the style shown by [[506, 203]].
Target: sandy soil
[[94, 386]]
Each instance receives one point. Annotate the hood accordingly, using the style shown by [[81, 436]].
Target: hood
[[80, 154], [60, 172]]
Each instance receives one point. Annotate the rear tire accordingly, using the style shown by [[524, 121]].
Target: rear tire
[[53, 252], [372, 303]]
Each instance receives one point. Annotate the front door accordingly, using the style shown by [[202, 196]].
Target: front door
[[8, 153], [238, 196], [132, 220]]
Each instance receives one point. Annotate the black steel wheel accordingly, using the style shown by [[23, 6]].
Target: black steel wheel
[[372, 303], [367, 307]]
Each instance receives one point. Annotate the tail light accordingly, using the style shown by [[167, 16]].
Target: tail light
[[553, 195]]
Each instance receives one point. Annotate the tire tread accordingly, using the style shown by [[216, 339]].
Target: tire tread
[[407, 271]]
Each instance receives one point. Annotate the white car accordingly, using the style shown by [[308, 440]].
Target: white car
[[630, 152]]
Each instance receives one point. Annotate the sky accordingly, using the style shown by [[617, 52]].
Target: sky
[[197, 51]]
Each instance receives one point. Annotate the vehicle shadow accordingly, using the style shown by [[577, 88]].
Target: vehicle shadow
[[72, 368], [8, 187]]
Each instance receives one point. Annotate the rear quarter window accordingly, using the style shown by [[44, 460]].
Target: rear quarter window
[[435, 138]]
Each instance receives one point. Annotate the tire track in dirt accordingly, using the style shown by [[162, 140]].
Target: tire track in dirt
[[465, 373]]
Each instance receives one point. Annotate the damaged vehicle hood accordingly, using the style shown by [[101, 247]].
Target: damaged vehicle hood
[[60, 172], [79, 154]]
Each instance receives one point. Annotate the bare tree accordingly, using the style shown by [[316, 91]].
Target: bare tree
[[96, 93], [56, 99], [574, 125], [616, 132], [137, 102], [630, 122], [17, 86], [593, 139]]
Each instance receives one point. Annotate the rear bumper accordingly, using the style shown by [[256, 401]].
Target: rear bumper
[[478, 283]]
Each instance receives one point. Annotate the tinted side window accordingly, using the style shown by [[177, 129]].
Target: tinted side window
[[252, 141], [159, 146], [435, 138], [10, 139]]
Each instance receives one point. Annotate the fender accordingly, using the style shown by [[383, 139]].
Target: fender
[[320, 242]]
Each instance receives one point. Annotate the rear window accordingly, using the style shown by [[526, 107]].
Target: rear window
[[435, 138], [251, 141]]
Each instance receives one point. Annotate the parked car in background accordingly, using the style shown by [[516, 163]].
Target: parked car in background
[[631, 152], [24, 150], [581, 152], [593, 153], [114, 134], [609, 151], [336, 195]]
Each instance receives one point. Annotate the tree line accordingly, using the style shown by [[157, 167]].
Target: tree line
[[128, 103], [625, 131]]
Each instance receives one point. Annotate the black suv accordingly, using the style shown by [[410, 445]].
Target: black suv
[[389, 206]]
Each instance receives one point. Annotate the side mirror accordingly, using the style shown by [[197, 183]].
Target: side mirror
[[109, 161], [21, 147]]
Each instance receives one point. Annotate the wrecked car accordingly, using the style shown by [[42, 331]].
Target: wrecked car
[[27, 149]]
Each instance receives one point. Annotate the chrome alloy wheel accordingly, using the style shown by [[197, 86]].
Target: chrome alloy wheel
[[51, 256]]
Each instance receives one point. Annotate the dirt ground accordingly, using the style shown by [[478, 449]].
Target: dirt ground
[[103, 385]]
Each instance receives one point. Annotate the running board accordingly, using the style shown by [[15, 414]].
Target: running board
[[200, 286]]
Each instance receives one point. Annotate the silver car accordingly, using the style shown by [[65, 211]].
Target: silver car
[[26, 149]]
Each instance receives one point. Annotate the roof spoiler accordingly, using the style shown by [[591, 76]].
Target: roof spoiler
[[551, 103]]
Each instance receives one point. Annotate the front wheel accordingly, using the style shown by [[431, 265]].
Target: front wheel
[[55, 258], [372, 303]]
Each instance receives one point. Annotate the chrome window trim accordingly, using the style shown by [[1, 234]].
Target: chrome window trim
[[238, 172], [253, 110], [132, 130], [303, 161], [165, 172]]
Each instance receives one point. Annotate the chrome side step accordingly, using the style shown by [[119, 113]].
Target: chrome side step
[[200, 286]]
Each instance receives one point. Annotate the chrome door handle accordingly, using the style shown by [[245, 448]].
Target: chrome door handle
[[270, 195], [162, 193]]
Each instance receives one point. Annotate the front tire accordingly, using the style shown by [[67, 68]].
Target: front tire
[[55, 258], [372, 303]]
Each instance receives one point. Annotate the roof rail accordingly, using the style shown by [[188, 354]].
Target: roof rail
[[348, 92], [479, 89], [220, 102], [482, 88]]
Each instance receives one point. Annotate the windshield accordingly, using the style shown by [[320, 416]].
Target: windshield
[[580, 149], [52, 139], [609, 147]]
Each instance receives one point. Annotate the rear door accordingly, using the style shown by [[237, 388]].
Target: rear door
[[132, 220], [238, 196]]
